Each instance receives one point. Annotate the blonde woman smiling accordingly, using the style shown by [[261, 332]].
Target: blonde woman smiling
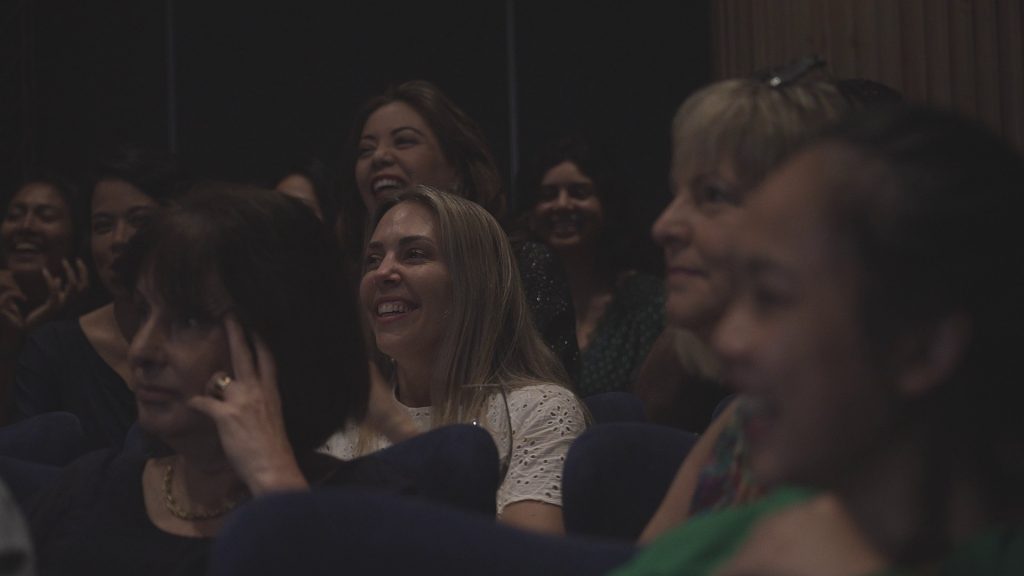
[[446, 305]]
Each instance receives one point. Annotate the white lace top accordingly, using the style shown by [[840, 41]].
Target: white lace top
[[545, 418]]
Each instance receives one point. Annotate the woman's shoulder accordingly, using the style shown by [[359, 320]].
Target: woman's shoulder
[[546, 401], [532, 251], [639, 287], [58, 335], [538, 392]]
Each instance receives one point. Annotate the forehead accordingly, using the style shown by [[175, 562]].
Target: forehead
[[114, 193], [296, 183], [787, 212], [39, 193], [566, 171], [406, 219], [395, 115]]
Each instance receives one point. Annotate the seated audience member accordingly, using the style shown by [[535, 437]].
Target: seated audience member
[[40, 276], [41, 273], [245, 358], [81, 366], [414, 134], [720, 463], [573, 207], [725, 138], [876, 353], [315, 185], [446, 305]]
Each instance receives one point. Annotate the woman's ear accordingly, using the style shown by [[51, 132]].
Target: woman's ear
[[933, 354]]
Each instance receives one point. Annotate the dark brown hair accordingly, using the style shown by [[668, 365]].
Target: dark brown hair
[[267, 259], [462, 142]]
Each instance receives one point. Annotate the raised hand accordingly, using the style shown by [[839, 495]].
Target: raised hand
[[246, 407], [10, 296], [61, 291]]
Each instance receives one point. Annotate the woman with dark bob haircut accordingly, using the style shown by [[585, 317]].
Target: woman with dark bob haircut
[[247, 355]]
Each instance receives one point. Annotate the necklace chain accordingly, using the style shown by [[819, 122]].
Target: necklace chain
[[178, 511]]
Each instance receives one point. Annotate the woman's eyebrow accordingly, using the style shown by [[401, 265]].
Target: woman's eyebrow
[[413, 239], [411, 128]]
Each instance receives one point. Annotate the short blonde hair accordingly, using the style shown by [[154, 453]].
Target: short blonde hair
[[750, 125]]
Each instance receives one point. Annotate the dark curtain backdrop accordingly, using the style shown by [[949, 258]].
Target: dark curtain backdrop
[[967, 55]]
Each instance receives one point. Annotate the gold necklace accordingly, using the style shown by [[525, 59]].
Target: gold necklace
[[181, 513]]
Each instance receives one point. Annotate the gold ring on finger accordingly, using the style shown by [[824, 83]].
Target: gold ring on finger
[[221, 383]]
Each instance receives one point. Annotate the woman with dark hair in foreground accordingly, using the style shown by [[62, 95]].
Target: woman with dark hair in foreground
[[246, 356]]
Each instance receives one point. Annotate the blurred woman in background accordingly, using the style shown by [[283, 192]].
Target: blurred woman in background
[[574, 208], [40, 274], [81, 365]]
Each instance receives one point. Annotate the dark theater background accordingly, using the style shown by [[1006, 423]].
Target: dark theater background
[[241, 89]]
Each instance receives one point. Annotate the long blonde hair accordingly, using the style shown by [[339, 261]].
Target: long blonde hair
[[491, 344]]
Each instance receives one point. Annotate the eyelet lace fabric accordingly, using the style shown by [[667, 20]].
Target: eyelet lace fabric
[[545, 419]]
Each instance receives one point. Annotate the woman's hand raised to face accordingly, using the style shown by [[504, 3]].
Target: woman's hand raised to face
[[60, 292], [247, 410]]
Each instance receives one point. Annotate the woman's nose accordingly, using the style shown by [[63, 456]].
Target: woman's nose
[[563, 200], [145, 348], [121, 235], [387, 271], [382, 156], [27, 221], [673, 226]]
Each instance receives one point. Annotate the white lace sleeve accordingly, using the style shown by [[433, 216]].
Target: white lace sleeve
[[545, 420]]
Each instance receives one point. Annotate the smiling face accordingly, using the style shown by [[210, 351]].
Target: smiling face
[[398, 150], [568, 213], [119, 209], [173, 355], [793, 340], [37, 231], [406, 288], [696, 231]]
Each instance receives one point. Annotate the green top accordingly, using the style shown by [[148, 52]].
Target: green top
[[704, 543]]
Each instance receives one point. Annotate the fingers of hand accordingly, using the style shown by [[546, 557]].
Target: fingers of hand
[[241, 356], [211, 407], [57, 288], [13, 318], [69, 274], [83, 275], [265, 363]]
